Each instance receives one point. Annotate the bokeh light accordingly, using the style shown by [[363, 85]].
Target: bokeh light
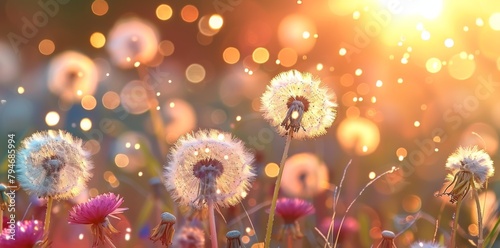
[[164, 12], [195, 73], [358, 135], [46, 47], [97, 40], [231, 55], [52, 118], [100, 7], [189, 13]]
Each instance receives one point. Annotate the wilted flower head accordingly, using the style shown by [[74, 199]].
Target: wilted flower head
[[53, 164], [27, 234], [426, 245], [209, 165], [233, 239], [190, 236], [295, 102], [165, 230], [468, 167], [290, 210], [96, 212], [387, 240]]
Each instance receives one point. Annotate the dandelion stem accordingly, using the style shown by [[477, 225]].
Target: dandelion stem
[[277, 185], [289, 241], [1, 219], [479, 219], [46, 223], [211, 220], [455, 223]]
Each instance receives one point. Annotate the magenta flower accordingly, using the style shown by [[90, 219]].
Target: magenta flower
[[27, 234], [291, 210], [96, 212]]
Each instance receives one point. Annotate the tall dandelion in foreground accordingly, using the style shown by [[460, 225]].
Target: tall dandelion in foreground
[[97, 212], [469, 169], [53, 165], [209, 168], [299, 108]]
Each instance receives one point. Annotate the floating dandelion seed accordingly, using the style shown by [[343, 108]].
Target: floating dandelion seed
[[468, 167], [53, 164], [189, 236], [295, 102], [202, 163], [96, 212], [28, 233], [165, 230], [290, 210]]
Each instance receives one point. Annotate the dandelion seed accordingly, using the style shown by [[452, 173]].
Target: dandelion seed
[[387, 240], [295, 102], [194, 179], [233, 239], [96, 212], [468, 167], [190, 236], [28, 233], [290, 211], [53, 164], [165, 230]]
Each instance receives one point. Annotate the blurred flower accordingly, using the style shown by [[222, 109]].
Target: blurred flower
[[468, 167], [53, 164], [27, 234], [190, 236], [233, 239], [209, 165], [296, 101], [72, 75], [4, 198], [96, 212], [132, 40], [305, 175], [165, 230], [387, 240], [290, 210], [350, 227], [426, 245]]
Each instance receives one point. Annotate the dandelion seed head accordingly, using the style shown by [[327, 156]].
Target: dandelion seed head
[[473, 160], [222, 174], [53, 163], [313, 110]]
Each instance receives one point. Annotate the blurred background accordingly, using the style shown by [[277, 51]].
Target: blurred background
[[413, 80]]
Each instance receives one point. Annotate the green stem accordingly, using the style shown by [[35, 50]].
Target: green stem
[[277, 185], [479, 219], [455, 224], [46, 223], [211, 220]]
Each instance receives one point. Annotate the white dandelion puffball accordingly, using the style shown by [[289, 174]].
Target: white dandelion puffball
[[72, 75], [426, 245], [473, 160], [295, 102], [132, 40], [209, 165], [53, 164]]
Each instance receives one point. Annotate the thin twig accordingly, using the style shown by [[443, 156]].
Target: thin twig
[[336, 197], [360, 193], [323, 236]]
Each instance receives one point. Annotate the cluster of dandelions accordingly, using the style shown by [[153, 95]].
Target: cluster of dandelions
[[53, 165]]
